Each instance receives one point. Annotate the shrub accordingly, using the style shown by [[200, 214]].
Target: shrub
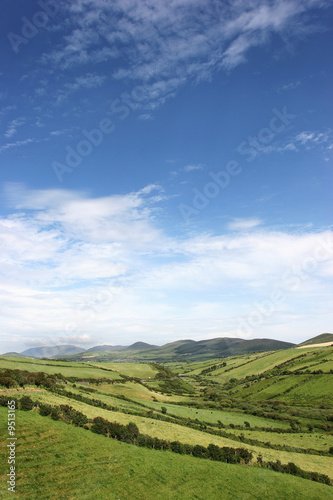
[[177, 447], [100, 426], [7, 382], [45, 410], [26, 403]]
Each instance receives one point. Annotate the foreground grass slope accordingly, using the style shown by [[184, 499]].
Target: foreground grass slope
[[56, 460], [186, 435], [245, 397]]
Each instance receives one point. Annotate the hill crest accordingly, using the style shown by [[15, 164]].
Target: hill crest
[[319, 339]]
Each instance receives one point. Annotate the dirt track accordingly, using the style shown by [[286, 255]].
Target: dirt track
[[325, 344]]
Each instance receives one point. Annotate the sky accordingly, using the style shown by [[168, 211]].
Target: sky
[[166, 170]]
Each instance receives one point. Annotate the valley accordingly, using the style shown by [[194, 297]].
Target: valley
[[277, 405]]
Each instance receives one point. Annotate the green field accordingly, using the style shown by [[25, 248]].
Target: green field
[[138, 370], [253, 388], [174, 432], [312, 440], [213, 416], [80, 370], [57, 460], [256, 363]]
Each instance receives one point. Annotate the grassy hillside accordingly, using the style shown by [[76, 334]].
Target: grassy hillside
[[258, 363], [56, 461], [182, 350], [276, 404], [140, 370], [83, 370], [319, 339], [14, 355]]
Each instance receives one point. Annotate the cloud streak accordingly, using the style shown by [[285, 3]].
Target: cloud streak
[[165, 45]]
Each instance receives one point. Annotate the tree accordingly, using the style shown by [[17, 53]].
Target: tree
[[199, 451], [45, 410], [133, 431], [214, 452], [100, 426], [178, 447], [26, 403], [164, 410], [7, 382]]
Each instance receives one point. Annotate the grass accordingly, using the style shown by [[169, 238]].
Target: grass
[[212, 416], [137, 391], [139, 370], [56, 460], [324, 337], [306, 397], [80, 370], [257, 364], [302, 389], [313, 440], [175, 432]]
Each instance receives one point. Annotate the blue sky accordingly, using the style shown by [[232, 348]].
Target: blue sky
[[166, 171]]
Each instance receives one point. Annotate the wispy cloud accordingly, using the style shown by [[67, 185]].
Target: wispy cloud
[[190, 168], [13, 126], [169, 43], [289, 86], [320, 140], [87, 81], [244, 224], [16, 144], [305, 139]]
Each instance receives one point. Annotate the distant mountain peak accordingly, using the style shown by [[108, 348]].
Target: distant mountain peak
[[51, 351], [141, 346]]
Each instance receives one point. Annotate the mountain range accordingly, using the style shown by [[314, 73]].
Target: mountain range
[[178, 350]]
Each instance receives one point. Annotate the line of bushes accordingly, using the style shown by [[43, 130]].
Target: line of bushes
[[130, 434], [186, 422], [293, 469]]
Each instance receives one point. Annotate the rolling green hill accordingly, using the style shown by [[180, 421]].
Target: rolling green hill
[[61, 461], [319, 339], [276, 404], [182, 350], [15, 355]]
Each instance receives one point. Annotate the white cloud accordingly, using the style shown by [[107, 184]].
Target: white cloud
[[290, 86], [73, 265], [323, 141], [311, 139], [13, 126], [191, 167], [16, 144], [244, 224], [87, 81]]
